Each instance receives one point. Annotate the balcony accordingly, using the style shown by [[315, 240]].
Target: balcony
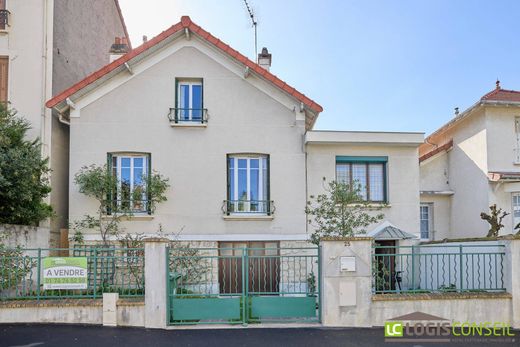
[[188, 116], [251, 208], [4, 19]]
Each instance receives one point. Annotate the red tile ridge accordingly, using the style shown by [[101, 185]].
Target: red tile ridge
[[185, 22]]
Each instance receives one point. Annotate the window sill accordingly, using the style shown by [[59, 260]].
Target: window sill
[[188, 125], [135, 217], [374, 205], [241, 217]]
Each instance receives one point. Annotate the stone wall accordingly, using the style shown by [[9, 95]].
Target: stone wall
[[25, 236], [70, 311]]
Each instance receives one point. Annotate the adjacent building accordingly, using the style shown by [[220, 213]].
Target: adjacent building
[[469, 164], [45, 46]]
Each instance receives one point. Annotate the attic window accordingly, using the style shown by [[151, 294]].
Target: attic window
[[189, 105]]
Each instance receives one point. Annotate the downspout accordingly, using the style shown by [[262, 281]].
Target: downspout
[[44, 78]]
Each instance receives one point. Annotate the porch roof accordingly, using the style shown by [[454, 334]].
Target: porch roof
[[388, 231]]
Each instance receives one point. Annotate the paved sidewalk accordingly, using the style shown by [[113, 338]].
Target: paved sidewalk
[[96, 336]]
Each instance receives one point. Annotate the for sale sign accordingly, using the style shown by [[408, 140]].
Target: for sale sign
[[64, 273]]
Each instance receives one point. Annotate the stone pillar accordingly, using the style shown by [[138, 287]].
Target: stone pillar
[[346, 294], [513, 262], [155, 298]]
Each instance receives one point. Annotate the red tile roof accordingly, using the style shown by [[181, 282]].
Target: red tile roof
[[445, 147], [185, 22], [500, 94]]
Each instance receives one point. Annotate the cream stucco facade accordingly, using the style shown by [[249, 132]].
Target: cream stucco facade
[[126, 112], [458, 182]]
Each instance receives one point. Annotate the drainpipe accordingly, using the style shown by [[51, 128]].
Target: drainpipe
[[46, 84]]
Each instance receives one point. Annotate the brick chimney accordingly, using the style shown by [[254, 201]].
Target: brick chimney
[[118, 48], [264, 59]]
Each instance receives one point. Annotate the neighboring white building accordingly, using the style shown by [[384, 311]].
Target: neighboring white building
[[46, 45], [470, 163], [234, 140]]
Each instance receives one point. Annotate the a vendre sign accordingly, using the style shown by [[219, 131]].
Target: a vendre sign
[[64, 273]]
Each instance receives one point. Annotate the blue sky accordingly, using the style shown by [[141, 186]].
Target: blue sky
[[373, 65]]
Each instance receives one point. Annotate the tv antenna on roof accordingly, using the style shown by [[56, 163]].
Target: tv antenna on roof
[[254, 23]]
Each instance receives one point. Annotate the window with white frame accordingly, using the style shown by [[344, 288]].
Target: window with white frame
[[426, 219], [248, 184], [366, 173], [189, 100], [130, 192], [516, 210]]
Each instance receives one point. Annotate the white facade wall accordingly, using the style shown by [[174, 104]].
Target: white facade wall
[[402, 177], [243, 118]]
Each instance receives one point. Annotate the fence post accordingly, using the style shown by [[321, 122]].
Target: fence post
[[155, 274], [346, 277], [460, 268]]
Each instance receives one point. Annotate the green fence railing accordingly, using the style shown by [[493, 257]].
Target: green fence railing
[[109, 270], [439, 268], [243, 285]]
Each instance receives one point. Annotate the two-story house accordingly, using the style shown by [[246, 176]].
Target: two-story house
[[45, 46], [469, 164], [235, 141]]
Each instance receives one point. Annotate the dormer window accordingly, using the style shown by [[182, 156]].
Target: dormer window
[[189, 102]]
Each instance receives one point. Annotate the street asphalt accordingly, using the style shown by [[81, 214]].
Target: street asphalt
[[33, 335]]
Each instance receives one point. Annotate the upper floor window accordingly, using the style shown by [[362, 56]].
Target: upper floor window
[[4, 15], [189, 104], [248, 184], [367, 173], [130, 193]]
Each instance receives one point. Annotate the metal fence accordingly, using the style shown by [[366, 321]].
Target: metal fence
[[109, 270], [241, 285], [442, 268]]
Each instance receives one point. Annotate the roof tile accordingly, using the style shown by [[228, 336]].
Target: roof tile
[[184, 23]]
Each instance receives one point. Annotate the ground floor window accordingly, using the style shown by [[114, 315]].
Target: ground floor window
[[426, 214], [130, 193], [248, 184]]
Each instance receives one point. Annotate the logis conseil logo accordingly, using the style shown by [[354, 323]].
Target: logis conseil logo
[[393, 329], [419, 326]]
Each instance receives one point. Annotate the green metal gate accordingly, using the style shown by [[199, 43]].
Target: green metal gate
[[243, 285]]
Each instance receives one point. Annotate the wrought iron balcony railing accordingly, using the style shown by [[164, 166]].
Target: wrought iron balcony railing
[[4, 19], [188, 115], [265, 207]]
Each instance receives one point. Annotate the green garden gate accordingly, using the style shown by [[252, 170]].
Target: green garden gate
[[243, 285]]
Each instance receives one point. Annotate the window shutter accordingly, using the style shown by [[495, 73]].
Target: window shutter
[[149, 182], [110, 193], [4, 70]]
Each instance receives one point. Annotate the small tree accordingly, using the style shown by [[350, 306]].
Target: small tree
[[341, 211], [494, 218], [23, 173], [99, 183]]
